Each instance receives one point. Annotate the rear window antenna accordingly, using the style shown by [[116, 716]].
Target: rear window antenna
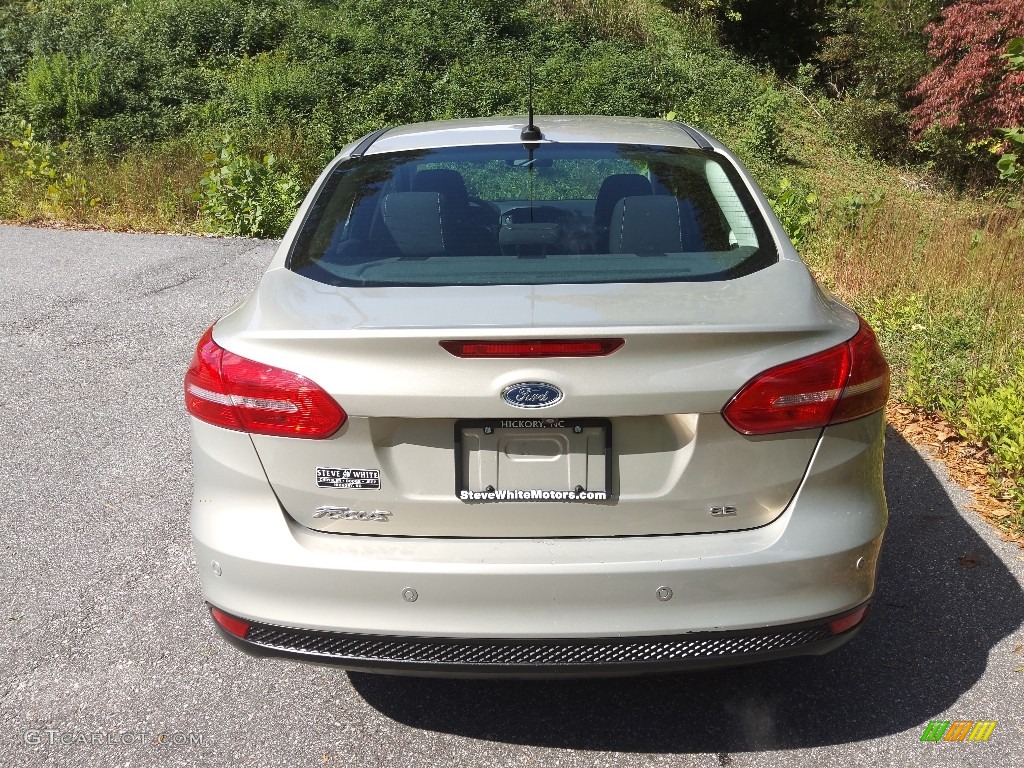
[[531, 132]]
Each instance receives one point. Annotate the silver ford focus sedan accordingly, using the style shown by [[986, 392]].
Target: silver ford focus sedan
[[537, 398]]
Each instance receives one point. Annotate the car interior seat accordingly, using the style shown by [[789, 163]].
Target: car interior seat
[[476, 224], [415, 224], [654, 224], [612, 190]]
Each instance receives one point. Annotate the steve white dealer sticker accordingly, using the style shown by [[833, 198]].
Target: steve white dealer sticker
[[350, 479]]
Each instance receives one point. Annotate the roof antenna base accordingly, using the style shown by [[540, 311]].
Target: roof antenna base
[[531, 133]]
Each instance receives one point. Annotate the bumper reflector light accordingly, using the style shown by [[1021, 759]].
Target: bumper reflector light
[[838, 626], [237, 627]]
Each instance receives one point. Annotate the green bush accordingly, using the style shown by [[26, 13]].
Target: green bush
[[853, 211], [955, 159], [114, 74], [1011, 164], [15, 44], [878, 127], [994, 415], [111, 75], [763, 131], [242, 196], [609, 77], [933, 344], [62, 92], [933, 348], [796, 208]]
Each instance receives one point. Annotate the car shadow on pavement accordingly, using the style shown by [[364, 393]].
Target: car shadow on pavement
[[943, 601]]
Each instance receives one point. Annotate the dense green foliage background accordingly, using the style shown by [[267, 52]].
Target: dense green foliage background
[[110, 74]]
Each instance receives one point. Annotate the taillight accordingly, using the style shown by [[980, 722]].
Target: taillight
[[533, 347], [842, 383], [233, 392]]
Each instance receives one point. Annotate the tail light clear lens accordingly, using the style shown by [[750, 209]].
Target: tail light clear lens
[[842, 383], [233, 392]]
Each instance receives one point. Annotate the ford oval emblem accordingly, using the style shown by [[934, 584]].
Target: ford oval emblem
[[531, 394]]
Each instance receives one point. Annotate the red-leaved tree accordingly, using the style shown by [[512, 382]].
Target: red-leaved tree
[[969, 87]]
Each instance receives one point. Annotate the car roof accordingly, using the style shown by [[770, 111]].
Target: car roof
[[554, 128]]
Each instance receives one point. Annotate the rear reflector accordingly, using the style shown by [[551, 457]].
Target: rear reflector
[[237, 627], [233, 392], [838, 626], [533, 347], [842, 383]]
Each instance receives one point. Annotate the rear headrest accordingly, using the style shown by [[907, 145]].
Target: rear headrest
[[613, 189], [654, 224], [416, 221], [444, 181]]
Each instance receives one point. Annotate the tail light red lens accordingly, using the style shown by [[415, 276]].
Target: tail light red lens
[[868, 387], [533, 348], [842, 383], [233, 392]]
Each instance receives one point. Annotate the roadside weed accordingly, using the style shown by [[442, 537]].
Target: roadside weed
[[239, 195], [41, 172]]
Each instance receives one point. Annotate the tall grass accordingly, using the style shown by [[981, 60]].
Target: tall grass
[[149, 189], [940, 260], [943, 284], [625, 18]]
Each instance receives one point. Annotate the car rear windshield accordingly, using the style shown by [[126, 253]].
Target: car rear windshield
[[530, 215]]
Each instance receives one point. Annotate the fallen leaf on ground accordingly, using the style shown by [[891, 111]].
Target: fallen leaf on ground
[[966, 462]]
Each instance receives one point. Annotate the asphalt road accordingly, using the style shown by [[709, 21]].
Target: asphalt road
[[108, 657]]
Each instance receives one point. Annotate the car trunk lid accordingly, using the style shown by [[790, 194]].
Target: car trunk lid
[[431, 444]]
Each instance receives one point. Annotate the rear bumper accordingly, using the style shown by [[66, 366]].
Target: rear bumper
[[815, 562], [542, 657]]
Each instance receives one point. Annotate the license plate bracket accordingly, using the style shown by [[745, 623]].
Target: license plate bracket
[[533, 459]]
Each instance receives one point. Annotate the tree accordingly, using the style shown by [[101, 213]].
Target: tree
[[782, 33], [969, 91], [876, 48]]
